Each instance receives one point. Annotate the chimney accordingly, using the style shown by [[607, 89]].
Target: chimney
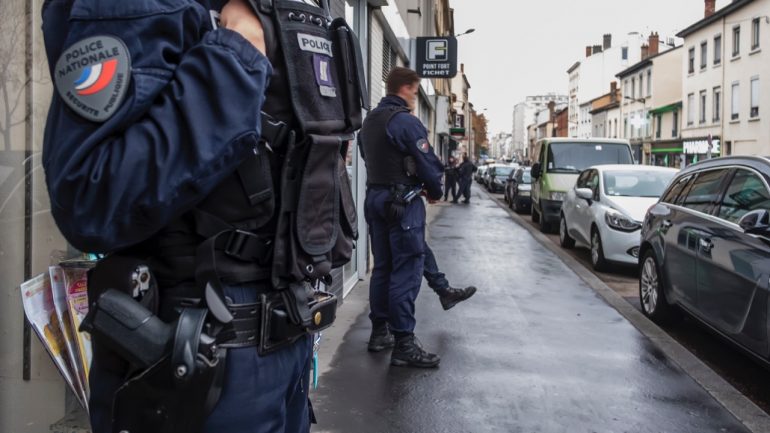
[[710, 8], [588, 51], [654, 42], [613, 91], [645, 51], [597, 49], [607, 44]]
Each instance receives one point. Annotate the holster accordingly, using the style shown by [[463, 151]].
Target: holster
[[172, 370]]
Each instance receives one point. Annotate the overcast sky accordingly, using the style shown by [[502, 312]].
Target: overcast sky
[[523, 48]]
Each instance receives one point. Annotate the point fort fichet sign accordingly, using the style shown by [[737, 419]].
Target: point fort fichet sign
[[436, 57]]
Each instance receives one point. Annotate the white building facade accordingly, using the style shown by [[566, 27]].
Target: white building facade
[[524, 115], [726, 78]]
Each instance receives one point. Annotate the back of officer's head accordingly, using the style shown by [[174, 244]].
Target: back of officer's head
[[400, 77]]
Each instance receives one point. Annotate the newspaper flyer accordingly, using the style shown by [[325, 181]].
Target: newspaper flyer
[[37, 299], [77, 303], [59, 288]]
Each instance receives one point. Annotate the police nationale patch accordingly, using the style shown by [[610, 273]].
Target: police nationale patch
[[92, 76], [423, 145]]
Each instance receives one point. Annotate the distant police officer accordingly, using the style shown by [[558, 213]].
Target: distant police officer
[[450, 179], [465, 171], [399, 165], [181, 141]]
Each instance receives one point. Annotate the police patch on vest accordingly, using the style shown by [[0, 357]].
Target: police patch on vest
[[314, 44], [92, 76], [423, 145], [323, 75]]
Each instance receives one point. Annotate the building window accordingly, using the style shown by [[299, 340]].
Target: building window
[[641, 84], [702, 99], [625, 127], [736, 40], [675, 126], [717, 49], [690, 109], [754, 97], [624, 53], [633, 88], [625, 87], [734, 105], [657, 126], [703, 55], [649, 82], [691, 61], [717, 104], [388, 60], [754, 34]]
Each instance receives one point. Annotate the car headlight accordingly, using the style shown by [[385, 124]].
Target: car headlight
[[618, 221], [558, 195]]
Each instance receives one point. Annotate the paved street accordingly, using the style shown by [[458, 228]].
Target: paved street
[[536, 350]]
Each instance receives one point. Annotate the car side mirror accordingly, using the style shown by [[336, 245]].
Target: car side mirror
[[756, 222], [585, 194], [535, 171]]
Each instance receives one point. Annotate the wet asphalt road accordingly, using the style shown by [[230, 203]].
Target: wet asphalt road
[[735, 366], [534, 351]]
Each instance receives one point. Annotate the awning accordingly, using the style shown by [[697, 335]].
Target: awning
[[667, 108]]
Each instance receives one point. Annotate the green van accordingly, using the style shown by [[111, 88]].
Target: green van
[[559, 162]]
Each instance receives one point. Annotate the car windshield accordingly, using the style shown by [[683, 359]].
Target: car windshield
[[502, 171], [636, 183], [526, 177], [576, 157]]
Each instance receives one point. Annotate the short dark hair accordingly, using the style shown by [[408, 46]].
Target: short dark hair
[[399, 77]]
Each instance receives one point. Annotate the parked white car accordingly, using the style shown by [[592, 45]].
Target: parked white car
[[605, 209]]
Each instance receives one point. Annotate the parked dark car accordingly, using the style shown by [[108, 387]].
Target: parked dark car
[[518, 190], [705, 248], [496, 177]]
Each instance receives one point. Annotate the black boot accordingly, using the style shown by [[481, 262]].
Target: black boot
[[453, 296], [408, 352], [381, 338]]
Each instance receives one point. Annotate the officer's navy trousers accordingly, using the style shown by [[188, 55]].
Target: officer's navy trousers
[[398, 249], [435, 278]]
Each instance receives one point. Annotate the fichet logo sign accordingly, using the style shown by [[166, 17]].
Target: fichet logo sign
[[438, 50], [314, 44]]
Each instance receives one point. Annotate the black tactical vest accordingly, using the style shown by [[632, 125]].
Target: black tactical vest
[[287, 213], [384, 162]]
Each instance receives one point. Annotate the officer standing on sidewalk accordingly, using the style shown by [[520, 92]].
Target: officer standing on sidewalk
[[171, 126], [399, 165]]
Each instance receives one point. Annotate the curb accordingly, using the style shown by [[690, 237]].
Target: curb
[[748, 413]]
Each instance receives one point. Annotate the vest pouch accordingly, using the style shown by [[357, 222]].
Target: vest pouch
[[314, 84], [348, 222], [350, 69], [246, 199]]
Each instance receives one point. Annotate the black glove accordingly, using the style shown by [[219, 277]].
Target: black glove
[[394, 211], [410, 165]]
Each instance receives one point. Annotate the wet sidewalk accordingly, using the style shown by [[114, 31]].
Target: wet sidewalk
[[535, 350]]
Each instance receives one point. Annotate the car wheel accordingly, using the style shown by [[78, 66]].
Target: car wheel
[[597, 251], [652, 295], [564, 238], [544, 226]]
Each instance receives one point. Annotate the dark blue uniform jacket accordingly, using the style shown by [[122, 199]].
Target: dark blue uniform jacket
[[406, 131], [189, 118]]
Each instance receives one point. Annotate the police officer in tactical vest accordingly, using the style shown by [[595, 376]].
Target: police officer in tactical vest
[[400, 165], [199, 145]]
